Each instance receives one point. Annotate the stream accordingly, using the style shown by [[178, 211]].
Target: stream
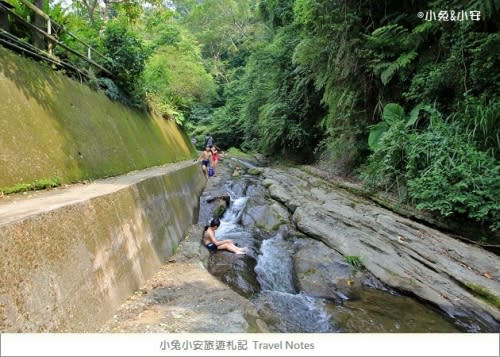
[[267, 278]]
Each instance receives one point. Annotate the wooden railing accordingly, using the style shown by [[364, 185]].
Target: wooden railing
[[8, 15]]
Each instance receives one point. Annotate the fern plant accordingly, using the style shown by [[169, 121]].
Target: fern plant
[[392, 48]]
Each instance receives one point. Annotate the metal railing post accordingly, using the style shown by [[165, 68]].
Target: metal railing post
[[49, 31]]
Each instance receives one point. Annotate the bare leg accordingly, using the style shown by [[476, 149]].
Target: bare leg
[[205, 171], [232, 248]]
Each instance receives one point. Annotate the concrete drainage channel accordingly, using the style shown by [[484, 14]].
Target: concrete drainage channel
[[70, 257]]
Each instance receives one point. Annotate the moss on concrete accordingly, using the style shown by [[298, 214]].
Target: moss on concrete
[[53, 126]]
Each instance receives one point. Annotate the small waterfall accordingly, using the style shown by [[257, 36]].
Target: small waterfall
[[274, 265], [273, 271], [233, 213], [295, 312], [230, 227]]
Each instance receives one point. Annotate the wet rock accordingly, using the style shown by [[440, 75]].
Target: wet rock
[[403, 254], [255, 171], [254, 189], [238, 171], [267, 217], [285, 312], [322, 272], [221, 199], [219, 203], [235, 270]]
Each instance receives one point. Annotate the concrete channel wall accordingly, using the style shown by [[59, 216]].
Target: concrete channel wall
[[70, 257]]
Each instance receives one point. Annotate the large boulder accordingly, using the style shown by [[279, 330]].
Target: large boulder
[[461, 279], [235, 270], [267, 216], [322, 272], [220, 203]]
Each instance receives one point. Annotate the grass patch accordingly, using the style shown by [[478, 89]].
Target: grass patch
[[354, 260], [19, 187], [484, 294], [40, 184]]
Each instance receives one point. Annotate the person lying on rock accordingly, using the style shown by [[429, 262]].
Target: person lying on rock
[[213, 244]]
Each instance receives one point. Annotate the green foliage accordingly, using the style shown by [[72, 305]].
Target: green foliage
[[354, 260], [275, 12], [390, 49], [321, 79], [392, 116], [46, 183], [160, 29], [447, 174], [39, 184], [436, 167], [481, 117], [276, 112], [176, 74], [128, 57]]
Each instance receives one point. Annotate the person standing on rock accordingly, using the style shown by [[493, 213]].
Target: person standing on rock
[[209, 141], [215, 158], [206, 158], [213, 244]]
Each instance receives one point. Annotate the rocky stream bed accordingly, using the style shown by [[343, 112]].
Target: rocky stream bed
[[320, 260]]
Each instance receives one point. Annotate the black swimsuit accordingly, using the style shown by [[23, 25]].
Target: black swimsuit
[[211, 246]]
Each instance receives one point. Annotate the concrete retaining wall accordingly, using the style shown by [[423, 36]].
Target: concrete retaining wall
[[67, 268]]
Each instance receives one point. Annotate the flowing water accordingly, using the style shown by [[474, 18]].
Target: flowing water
[[265, 277]]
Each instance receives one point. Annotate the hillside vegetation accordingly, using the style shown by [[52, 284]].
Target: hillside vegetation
[[57, 130], [403, 96]]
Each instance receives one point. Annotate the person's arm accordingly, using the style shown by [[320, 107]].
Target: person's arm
[[212, 239]]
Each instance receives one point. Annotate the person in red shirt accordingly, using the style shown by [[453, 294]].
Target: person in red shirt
[[215, 158]]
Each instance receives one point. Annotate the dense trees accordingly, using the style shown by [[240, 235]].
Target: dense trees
[[404, 94], [374, 88]]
